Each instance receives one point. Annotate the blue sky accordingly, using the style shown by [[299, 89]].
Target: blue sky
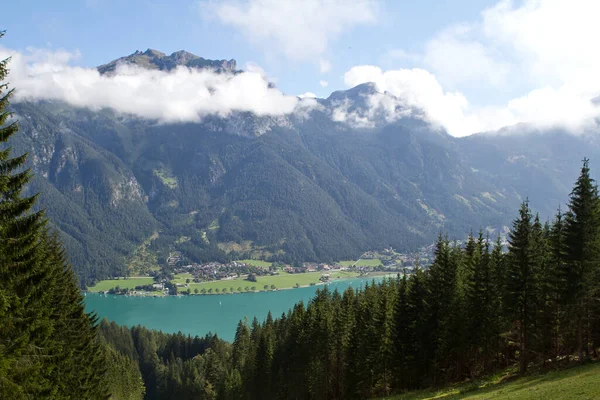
[[103, 30], [469, 65]]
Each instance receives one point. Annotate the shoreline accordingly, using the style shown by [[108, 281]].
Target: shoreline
[[373, 275]]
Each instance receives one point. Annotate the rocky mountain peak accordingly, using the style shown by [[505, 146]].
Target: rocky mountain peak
[[154, 59]]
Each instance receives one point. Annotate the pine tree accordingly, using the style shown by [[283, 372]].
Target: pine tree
[[401, 333], [520, 281], [555, 281], [25, 328], [418, 360], [582, 225], [384, 322], [48, 344], [479, 295], [441, 300], [497, 266]]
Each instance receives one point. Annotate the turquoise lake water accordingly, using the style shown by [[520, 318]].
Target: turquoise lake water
[[198, 315]]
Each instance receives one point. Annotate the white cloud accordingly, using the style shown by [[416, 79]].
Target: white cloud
[[181, 95], [555, 39], [323, 83], [534, 61], [456, 58], [300, 29], [402, 55], [418, 89], [324, 66], [308, 95]]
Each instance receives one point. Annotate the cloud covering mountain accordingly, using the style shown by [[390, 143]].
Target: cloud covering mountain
[[179, 95], [531, 62]]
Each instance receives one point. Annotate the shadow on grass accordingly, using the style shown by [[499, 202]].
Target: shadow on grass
[[506, 387]]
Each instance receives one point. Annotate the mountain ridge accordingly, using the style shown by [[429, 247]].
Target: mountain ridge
[[299, 187], [153, 59]]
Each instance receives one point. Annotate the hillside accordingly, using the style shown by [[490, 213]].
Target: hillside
[[295, 188], [575, 383]]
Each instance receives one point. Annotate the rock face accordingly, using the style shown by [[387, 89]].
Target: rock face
[[152, 59]]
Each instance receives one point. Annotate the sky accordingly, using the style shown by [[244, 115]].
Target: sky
[[471, 65]]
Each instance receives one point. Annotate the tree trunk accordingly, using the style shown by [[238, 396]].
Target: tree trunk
[[523, 349]]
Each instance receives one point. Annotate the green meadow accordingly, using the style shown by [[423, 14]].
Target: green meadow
[[577, 383], [124, 283]]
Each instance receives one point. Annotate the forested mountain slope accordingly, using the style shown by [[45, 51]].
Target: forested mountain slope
[[297, 188]]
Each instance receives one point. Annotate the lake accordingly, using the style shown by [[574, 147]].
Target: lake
[[198, 315]]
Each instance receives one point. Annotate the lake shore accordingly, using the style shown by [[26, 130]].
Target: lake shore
[[284, 281]]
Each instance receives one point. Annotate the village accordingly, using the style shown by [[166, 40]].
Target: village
[[179, 277]]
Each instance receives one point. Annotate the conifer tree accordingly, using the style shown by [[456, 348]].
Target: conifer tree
[[497, 262], [479, 297], [555, 281], [582, 255], [441, 299], [48, 344], [401, 332], [520, 281]]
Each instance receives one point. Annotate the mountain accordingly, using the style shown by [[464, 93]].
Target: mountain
[[126, 193], [152, 59]]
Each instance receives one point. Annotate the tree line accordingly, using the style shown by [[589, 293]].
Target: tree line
[[49, 345]]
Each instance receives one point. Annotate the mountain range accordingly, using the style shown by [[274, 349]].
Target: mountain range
[[126, 192]]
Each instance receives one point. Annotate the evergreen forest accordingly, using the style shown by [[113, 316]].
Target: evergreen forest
[[479, 309]]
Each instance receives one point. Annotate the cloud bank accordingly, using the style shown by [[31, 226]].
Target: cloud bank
[[300, 29], [181, 95], [532, 63]]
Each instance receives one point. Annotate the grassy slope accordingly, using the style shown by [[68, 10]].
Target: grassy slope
[[281, 281], [122, 283], [368, 262], [579, 383], [347, 263], [257, 263], [180, 278]]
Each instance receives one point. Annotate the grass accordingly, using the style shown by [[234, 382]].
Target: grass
[[129, 283], [180, 278], [363, 262], [347, 263], [166, 178], [143, 260], [281, 281], [257, 263], [581, 383]]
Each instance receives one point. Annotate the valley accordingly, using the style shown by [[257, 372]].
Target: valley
[[304, 190]]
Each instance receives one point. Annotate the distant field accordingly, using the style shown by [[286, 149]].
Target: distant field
[[257, 263], [347, 263], [281, 281], [570, 384], [123, 283], [368, 263], [180, 278]]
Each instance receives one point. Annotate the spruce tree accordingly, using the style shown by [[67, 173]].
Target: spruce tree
[[555, 281], [582, 255], [48, 344], [25, 328], [520, 281], [441, 300]]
